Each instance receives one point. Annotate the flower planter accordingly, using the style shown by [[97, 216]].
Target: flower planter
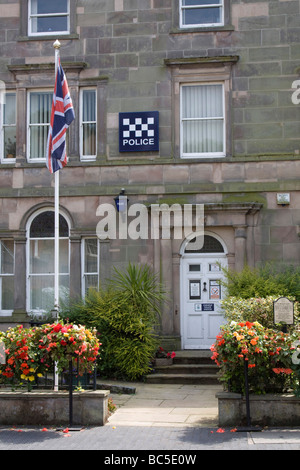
[[265, 410], [52, 408]]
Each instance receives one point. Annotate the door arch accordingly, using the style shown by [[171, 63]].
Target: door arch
[[201, 290]]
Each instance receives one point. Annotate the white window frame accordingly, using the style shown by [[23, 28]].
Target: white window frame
[[84, 274], [82, 156], [30, 275], [203, 154], [45, 15], [4, 312], [200, 6], [3, 126], [29, 126]]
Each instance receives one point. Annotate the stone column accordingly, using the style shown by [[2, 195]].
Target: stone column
[[73, 149], [21, 97], [105, 262], [240, 247], [167, 278], [176, 293]]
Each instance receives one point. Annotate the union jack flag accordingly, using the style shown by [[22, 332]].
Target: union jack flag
[[62, 114]]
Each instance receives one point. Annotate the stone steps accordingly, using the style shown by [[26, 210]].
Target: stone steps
[[188, 367]]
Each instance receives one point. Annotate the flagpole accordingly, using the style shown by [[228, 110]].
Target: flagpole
[[56, 46]]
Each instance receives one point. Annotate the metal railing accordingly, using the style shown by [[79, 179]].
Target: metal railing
[[85, 381]]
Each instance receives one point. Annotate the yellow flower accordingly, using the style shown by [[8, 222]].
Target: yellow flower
[[23, 376], [31, 369], [31, 378], [40, 375]]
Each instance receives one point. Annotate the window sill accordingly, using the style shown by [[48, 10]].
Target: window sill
[[48, 37], [200, 29], [202, 158]]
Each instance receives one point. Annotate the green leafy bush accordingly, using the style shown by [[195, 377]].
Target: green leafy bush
[[256, 282], [270, 280], [125, 314], [255, 310]]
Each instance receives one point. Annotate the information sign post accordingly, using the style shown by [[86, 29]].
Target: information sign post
[[283, 310]]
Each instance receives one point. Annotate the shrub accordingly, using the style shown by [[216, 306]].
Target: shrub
[[270, 280], [268, 354], [255, 310], [126, 313]]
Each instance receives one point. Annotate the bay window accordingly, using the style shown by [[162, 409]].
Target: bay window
[[88, 124], [8, 128], [7, 267], [39, 112], [90, 264]]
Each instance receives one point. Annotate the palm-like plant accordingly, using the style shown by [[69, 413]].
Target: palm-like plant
[[139, 286]]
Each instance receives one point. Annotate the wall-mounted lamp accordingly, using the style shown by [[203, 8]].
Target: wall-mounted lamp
[[121, 201]]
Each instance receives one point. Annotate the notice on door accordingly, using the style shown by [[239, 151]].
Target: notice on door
[[195, 290], [214, 290]]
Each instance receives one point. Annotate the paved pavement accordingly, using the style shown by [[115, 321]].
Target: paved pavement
[[169, 423]]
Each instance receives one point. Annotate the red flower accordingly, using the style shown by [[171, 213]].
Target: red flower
[[57, 328]]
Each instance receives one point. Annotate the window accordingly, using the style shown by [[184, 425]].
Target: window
[[8, 131], [90, 264], [7, 267], [48, 17], [201, 104], [88, 124], [201, 13], [202, 120], [41, 262], [210, 245], [39, 112]]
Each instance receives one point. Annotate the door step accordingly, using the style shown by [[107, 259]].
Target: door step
[[188, 367], [193, 379]]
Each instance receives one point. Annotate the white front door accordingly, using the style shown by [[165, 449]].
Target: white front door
[[201, 292]]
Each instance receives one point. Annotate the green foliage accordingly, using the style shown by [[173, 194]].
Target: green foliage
[[255, 310], [125, 315], [270, 280]]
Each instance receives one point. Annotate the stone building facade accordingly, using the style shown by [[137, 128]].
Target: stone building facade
[[222, 80]]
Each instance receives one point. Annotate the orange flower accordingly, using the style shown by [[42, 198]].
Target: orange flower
[[253, 342]]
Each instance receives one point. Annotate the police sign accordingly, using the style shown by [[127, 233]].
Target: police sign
[[139, 132]]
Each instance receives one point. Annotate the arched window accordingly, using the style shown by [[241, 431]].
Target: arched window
[[41, 262], [210, 245]]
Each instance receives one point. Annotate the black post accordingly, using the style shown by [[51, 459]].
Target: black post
[[247, 392], [247, 428], [70, 393], [95, 378]]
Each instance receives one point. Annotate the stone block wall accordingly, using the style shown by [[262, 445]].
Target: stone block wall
[[129, 50]]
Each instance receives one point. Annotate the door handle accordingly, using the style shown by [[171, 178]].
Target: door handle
[[204, 287]]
